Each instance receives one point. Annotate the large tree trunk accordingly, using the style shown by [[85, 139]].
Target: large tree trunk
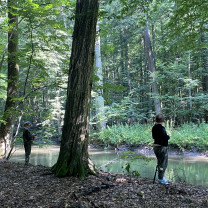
[[73, 158], [152, 68], [6, 128]]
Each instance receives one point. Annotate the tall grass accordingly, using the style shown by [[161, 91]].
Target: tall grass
[[187, 136]]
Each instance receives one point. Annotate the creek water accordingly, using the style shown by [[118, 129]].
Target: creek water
[[192, 169]]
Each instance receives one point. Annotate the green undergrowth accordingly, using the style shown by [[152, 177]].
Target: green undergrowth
[[187, 136]]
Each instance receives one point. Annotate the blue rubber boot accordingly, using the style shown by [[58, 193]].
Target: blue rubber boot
[[163, 181]]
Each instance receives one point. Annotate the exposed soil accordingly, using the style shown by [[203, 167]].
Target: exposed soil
[[148, 150], [35, 186]]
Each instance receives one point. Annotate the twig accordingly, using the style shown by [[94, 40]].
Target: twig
[[110, 162], [30, 62], [91, 202], [15, 136]]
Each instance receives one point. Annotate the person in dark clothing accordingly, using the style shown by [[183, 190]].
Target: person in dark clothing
[[160, 147], [27, 139]]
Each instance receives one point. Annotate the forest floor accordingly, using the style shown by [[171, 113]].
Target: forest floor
[[35, 186]]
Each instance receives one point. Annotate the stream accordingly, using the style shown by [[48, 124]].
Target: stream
[[189, 169]]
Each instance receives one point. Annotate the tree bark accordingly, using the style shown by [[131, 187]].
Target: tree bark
[[126, 80], [6, 128], [152, 68], [205, 71], [73, 158], [204, 64]]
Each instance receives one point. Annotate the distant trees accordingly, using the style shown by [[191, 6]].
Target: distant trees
[[175, 31]]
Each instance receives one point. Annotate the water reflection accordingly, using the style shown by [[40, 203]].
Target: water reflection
[[46, 156], [193, 170]]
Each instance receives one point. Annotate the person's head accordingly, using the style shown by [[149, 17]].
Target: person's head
[[27, 124], [159, 118]]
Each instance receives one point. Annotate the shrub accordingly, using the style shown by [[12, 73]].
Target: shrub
[[188, 136]]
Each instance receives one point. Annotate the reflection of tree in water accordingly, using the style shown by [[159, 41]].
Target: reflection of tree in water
[[177, 174], [130, 163], [187, 170]]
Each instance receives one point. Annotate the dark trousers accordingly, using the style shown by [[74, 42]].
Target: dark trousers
[[27, 146], [161, 153]]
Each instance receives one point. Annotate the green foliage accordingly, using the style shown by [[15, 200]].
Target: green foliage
[[43, 142], [133, 135], [19, 141], [132, 156], [127, 168], [193, 20], [190, 136], [187, 136], [44, 49]]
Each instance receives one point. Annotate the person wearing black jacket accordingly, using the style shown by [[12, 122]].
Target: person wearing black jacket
[[27, 139], [160, 147]]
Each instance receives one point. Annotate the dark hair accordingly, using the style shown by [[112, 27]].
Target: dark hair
[[159, 118], [27, 123]]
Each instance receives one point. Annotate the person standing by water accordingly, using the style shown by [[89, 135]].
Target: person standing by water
[[27, 139], [160, 147]]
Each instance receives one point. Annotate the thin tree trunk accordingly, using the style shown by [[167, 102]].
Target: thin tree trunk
[[9, 38], [73, 157], [189, 76], [126, 72], [146, 79], [152, 68], [100, 111], [21, 104], [204, 64], [58, 111], [127, 63], [205, 71], [6, 128], [141, 81], [122, 52]]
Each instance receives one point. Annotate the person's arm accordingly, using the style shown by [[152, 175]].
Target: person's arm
[[165, 136], [33, 136]]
